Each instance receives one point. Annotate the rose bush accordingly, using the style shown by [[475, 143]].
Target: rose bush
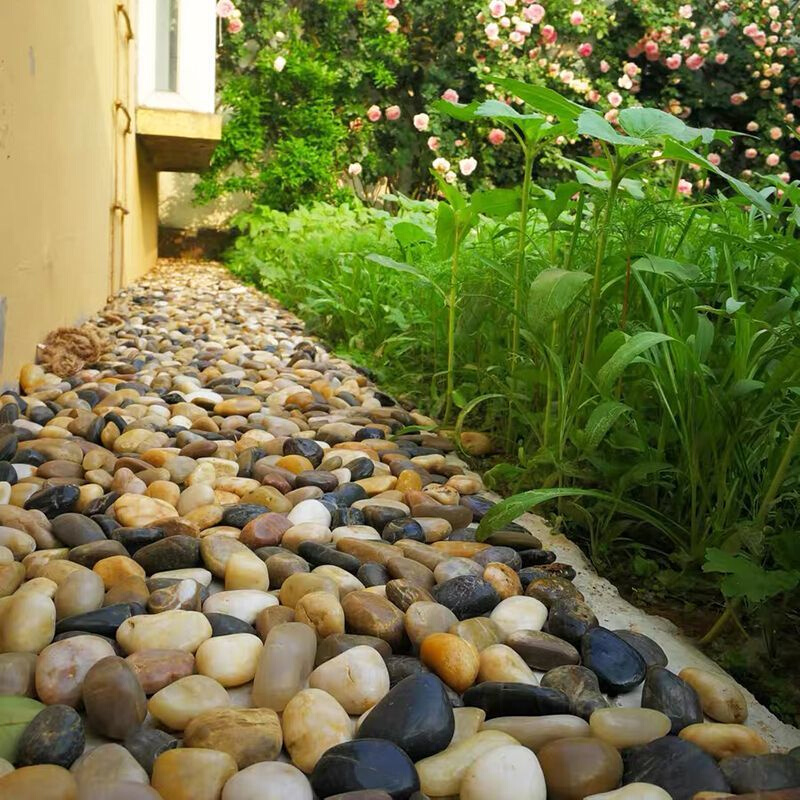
[[308, 88]]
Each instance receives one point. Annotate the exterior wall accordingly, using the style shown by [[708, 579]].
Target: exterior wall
[[176, 209], [63, 66]]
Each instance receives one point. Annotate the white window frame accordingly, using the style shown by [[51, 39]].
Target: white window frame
[[196, 57]]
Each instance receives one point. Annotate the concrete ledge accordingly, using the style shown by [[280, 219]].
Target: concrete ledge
[[178, 141]]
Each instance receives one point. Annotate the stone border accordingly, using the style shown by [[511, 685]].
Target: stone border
[[614, 612]]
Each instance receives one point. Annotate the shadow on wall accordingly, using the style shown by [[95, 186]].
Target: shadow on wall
[[177, 210]]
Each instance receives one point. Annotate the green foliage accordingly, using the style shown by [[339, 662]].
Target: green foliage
[[636, 351]]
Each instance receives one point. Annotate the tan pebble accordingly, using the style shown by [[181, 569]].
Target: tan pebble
[[192, 773], [117, 568], [722, 740], [177, 703], [453, 659], [719, 696]]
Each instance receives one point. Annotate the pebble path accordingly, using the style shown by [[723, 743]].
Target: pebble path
[[229, 570]]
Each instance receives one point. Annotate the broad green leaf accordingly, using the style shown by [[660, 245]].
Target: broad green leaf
[[450, 192], [666, 266], [704, 338], [544, 100], [494, 109], [746, 386], [509, 509], [732, 305], [680, 152], [601, 421], [399, 266], [408, 233], [592, 124], [553, 292], [496, 203], [745, 579], [15, 715], [459, 111], [445, 231], [612, 370], [652, 123]]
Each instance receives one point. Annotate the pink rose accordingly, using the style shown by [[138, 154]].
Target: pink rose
[[585, 49], [611, 115], [497, 8], [391, 4], [684, 187], [674, 61], [225, 8], [695, 61], [752, 126], [235, 25], [534, 13], [593, 96], [774, 12], [374, 113], [515, 37], [721, 58], [549, 34], [355, 169], [795, 155], [466, 166], [750, 30], [421, 121], [492, 31], [392, 23], [685, 12], [738, 98], [576, 18], [604, 66], [784, 176], [451, 95], [393, 113], [441, 164], [706, 34], [615, 99], [751, 152], [496, 136], [714, 158], [631, 69], [433, 143], [773, 159], [651, 50], [775, 133]]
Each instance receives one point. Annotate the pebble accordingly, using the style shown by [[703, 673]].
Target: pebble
[[580, 685], [416, 715], [721, 739], [761, 773], [370, 614], [666, 692], [357, 679], [455, 660], [516, 699], [519, 614], [313, 722], [619, 668], [536, 732], [43, 782], [192, 773], [365, 764], [230, 660], [107, 764], [680, 768], [114, 701], [510, 772], [284, 665], [542, 651], [176, 630], [268, 781], [54, 736], [627, 727], [720, 698], [176, 704], [501, 664], [248, 735], [579, 766]]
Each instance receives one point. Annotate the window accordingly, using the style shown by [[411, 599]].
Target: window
[[167, 45], [176, 53]]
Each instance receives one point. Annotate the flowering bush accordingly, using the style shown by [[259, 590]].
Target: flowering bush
[[309, 88]]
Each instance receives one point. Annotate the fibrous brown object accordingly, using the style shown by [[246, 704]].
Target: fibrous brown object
[[67, 350]]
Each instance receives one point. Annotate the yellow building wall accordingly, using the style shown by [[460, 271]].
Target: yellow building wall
[[63, 64]]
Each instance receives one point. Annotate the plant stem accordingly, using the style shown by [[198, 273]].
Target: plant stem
[[576, 228], [676, 179], [602, 241], [519, 267], [451, 330], [778, 477], [716, 629]]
